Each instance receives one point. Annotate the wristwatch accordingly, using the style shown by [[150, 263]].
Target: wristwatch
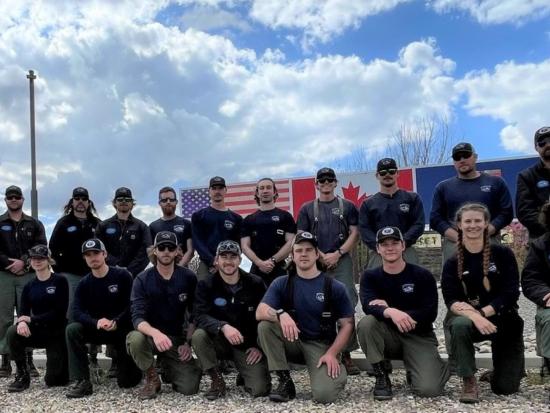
[[340, 251], [279, 312], [273, 260]]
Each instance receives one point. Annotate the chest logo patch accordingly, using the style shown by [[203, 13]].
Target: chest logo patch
[[320, 297], [110, 230], [220, 302], [228, 224], [280, 232], [179, 228], [407, 288], [113, 288], [543, 184], [50, 290], [485, 188], [6, 228], [182, 297], [133, 236], [275, 218], [492, 267], [336, 211], [251, 308], [72, 228], [404, 207]]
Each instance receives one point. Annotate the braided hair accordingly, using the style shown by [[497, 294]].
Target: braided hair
[[486, 243]]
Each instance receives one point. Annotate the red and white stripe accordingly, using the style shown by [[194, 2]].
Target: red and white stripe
[[240, 197]]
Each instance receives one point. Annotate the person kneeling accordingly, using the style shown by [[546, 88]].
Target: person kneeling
[[400, 303], [41, 323], [298, 317]]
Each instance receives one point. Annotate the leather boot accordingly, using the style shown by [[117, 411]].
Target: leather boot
[[470, 391], [217, 386], [30, 363], [382, 387], [285, 390], [152, 384], [22, 378], [5, 368], [351, 368]]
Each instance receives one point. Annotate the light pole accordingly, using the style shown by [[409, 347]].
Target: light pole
[[34, 195]]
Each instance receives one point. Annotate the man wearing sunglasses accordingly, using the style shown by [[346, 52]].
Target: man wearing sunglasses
[[225, 314], [125, 237], [333, 221], [169, 221], [162, 298], [18, 233], [391, 207], [469, 185], [533, 186], [77, 225]]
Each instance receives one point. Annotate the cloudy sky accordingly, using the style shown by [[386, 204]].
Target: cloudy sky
[[149, 93]]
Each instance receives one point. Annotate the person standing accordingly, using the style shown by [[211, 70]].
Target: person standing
[[212, 225], [162, 298], [333, 221], [41, 323], [391, 206], [18, 233], [173, 223], [225, 315], [77, 225], [480, 286], [267, 234]]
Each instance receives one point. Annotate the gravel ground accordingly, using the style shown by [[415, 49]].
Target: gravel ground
[[356, 397]]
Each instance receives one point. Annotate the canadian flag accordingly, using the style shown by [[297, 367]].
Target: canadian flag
[[354, 187]]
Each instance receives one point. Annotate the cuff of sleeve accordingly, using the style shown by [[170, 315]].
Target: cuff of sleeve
[[137, 322]]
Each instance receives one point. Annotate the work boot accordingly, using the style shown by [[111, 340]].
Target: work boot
[[351, 368], [30, 363], [5, 369], [152, 385], [217, 386], [470, 392], [285, 391], [113, 370], [22, 378], [80, 388], [382, 386]]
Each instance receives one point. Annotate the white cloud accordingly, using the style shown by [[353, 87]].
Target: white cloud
[[516, 94], [496, 11], [212, 18]]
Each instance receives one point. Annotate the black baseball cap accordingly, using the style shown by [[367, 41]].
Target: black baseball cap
[[326, 173], [228, 246], [166, 237], [39, 251], [80, 191], [305, 236], [123, 192], [216, 181], [463, 147], [385, 164], [388, 232], [542, 133], [93, 244], [13, 190]]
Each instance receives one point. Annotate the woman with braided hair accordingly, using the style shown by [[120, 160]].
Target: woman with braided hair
[[480, 286]]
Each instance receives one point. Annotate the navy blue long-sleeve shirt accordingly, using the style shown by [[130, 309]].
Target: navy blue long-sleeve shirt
[[451, 194], [163, 303], [412, 291], [105, 297], [402, 209], [210, 227], [46, 302]]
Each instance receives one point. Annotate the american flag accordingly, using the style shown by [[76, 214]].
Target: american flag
[[239, 198]]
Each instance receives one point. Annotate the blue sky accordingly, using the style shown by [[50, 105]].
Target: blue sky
[[155, 92]]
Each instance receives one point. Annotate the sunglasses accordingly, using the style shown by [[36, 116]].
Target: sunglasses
[[166, 200], [326, 180], [164, 247], [123, 199], [384, 172], [12, 197], [459, 156], [543, 142], [80, 198]]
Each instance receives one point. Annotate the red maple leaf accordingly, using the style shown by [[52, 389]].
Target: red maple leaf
[[351, 193]]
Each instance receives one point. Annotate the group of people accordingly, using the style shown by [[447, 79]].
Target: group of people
[[123, 283]]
